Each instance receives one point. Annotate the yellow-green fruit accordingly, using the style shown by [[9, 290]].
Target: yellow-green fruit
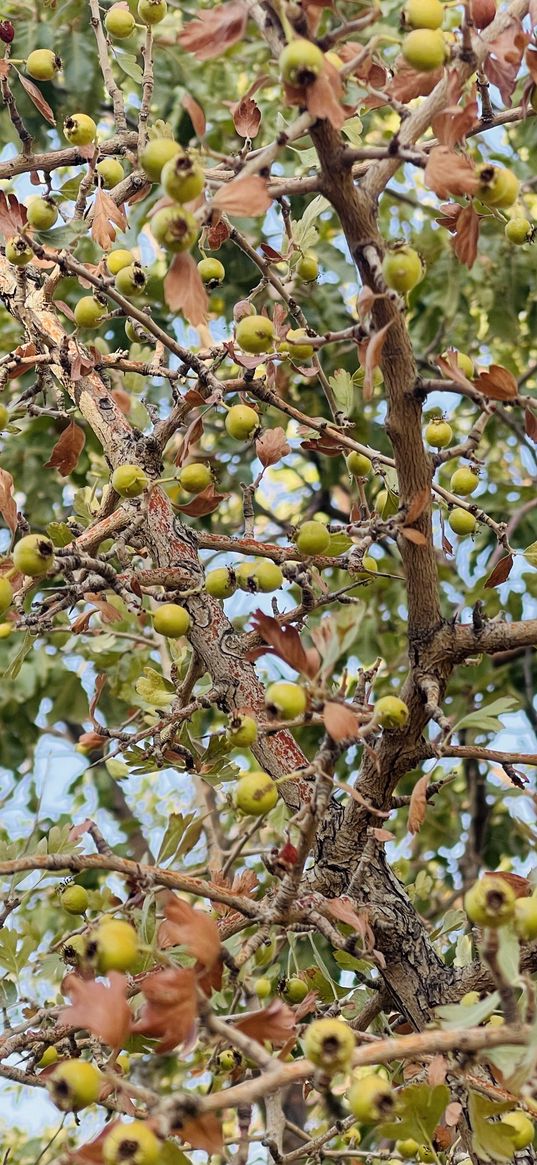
[[6, 630], [74, 950], [307, 267], [464, 362], [438, 433], [464, 481], [229, 1059], [402, 267], [18, 252], [155, 155], [312, 538], [263, 988], [370, 1099], [80, 129], [116, 946], [129, 481], [267, 576], [33, 555], [266, 953], [295, 989], [244, 574], [518, 230], [6, 593], [426, 1154], [74, 1084], [301, 62], [90, 312], [111, 171], [130, 281], [255, 334], [43, 64], [461, 521], [490, 902], [118, 259], [369, 567], [42, 213], [495, 1021], [171, 620], [424, 49], [286, 700], [424, 13], [391, 712], [498, 187], [74, 899], [119, 21], [243, 732], [174, 228], [241, 421], [329, 1044], [256, 794], [295, 345], [183, 178], [470, 998], [386, 503], [152, 11], [407, 1149], [124, 1061], [50, 1055], [358, 464], [520, 1128], [212, 272], [131, 1144], [195, 477], [4, 416], [526, 918], [220, 583]]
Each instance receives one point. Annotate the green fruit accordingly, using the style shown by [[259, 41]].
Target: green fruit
[[220, 583], [43, 64], [171, 620], [241, 421], [461, 521], [42, 213], [152, 11], [267, 576], [119, 259], [490, 902], [129, 481], [6, 630], [370, 1099], [386, 503], [518, 231], [526, 918], [182, 178], [33, 555], [155, 155], [90, 311], [498, 187], [329, 1044], [243, 732], [438, 433], [426, 1154], [18, 252], [50, 1055], [212, 272], [6, 594], [130, 281], [80, 129], [300, 63], [402, 267], [74, 1084], [195, 477], [307, 267], [464, 481], [229, 1059], [131, 1144], [312, 538], [464, 362], [111, 171], [263, 988], [391, 712], [255, 334], [470, 998], [256, 794], [407, 1149], [244, 574], [174, 228], [358, 464], [424, 13], [295, 989], [74, 899], [124, 1061], [424, 49], [119, 21], [294, 345], [369, 565], [520, 1128], [286, 700], [115, 946]]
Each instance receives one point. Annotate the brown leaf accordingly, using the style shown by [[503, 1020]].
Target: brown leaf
[[122, 399], [67, 450], [340, 722], [482, 12], [448, 173], [372, 359], [92, 1152], [276, 1023], [452, 125], [192, 929], [466, 236], [413, 535], [105, 213], [284, 641], [322, 99], [91, 741], [325, 444], [184, 291], [501, 571], [453, 1113], [418, 804], [195, 113], [214, 30], [530, 424], [99, 685], [37, 98], [8, 505], [12, 215], [271, 446], [497, 383], [418, 505], [246, 117], [245, 196], [502, 65], [23, 355], [437, 1070], [170, 1011], [107, 611], [408, 84], [203, 1131], [217, 233], [100, 1008], [381, 834], [448, 364], [344, 911], [191, 437], [204, 503]]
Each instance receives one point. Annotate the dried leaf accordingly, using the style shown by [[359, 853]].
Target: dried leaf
[[452, 125], [372, 359], [437, 1070], [448, 173], [448, 364], [214, 30], [345, 911], [12, 215], [418, 804], [501, 571], [340, 722], [204, 503], [170, 1011], [408, 84], [8, 505], [284, 641], [322, 99], [245, 196], [105, 213], [99, 685], [466, 236], [497, 383], [413, 535], [418, 505], [184, 290], [100, 1008], [203, 1131], [67, 450], [217, 233], [453, 1113], [521, 886], [37, 98], [276, 1023], [246, 117], [272, 446], [502, 65], [195, 113], [530, 424], [107, 611], [192, 929]]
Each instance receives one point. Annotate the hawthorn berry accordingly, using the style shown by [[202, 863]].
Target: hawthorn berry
[[256, 794], [286, 700], [129, 481], [33, 555], [329, 1044], [171, 620], [490, 902], [74, 1084]]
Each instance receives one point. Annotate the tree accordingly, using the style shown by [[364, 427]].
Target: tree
[[267, 484]]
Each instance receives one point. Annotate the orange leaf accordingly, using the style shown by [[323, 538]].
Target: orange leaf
[[105, 212], [418, 804], [184, 290], [203, 1131], [246, 117], [8, 505], [419, 503], [501, 571], [245, 196], [466, 236], [214, 30], [530, 423], [67, 450], [100, 1008], [276, 1023], [497, 383], [170, 1011], [414, 536], [192, 929], [447, 173], [272, 446]]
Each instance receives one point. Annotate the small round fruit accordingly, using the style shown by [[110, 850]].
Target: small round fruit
[[118, 259], [4, 417], [6, 629], [263, 988], [43, 64], [119, 21], [407, 1149], [461, 521], [74, 899], [155, 155], [300, 63], [129, 481], [42, 213], [285, 700], [152, 11], [498, 187], [526, 918], [244, 574], [470, 998], [495, 1021], [131, 1144], [267, 575], [464, 481], [171, 620], [80, 129], [518, 231], [295, 989], [255, 334], [6, 594], [195, 477], [241, 421], [130, 281], [212, 272], [424, 13], [371, 1099], [358, 464], [50, 1055], [74, 950], [520, 1127], [243, 732], [402, 267], [18, 252], [33, 555], [369, 565], [391, 712], [307, 267], [312, 538], [329, 1044], [90, 311], [116, 946], [229, 1059], [386, 503], [490, 901], [266, 952], [464, 362], [438, 433], [182, 178], [74, 1084], [295, 345], [424, 49], [174, 228], [124, 1061], [111, 171], [256, 794], [220, 583]]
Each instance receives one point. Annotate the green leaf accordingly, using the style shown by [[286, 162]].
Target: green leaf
[[177, 824], [339, 543], [130, 66], [491, 1142], [454, 1015], [420, 1108], [487, 717], [344, 391], [12, 671], [171, 1155], [530, 554], [154, 689], [60, 534], [116, 768]]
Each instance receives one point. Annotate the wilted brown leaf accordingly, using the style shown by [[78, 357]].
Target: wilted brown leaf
[[214, 30], [501, 571], [466, 236], [413, 535], [418, 804], [408, 84], [107, 611], [453, 1114], [192, 929], [502, 65], [204, 503], [373, 353], [100, 683], [203, 1131], [184, 290], [322, 99], [448, 173], [195, 113], [245, 196], [530, 424], [37, 98], [170, 1011], [105, 213], [344, 911], [437, 1070], [271, 446], [448, 364], [67, 450], [482, 12], [8, 505], [452, 124], [100, 1008], [284, 641], [497, 383], [276, 1023], [419, 503], [340, 722], [217, 233], [246, 117], [12, 215]]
